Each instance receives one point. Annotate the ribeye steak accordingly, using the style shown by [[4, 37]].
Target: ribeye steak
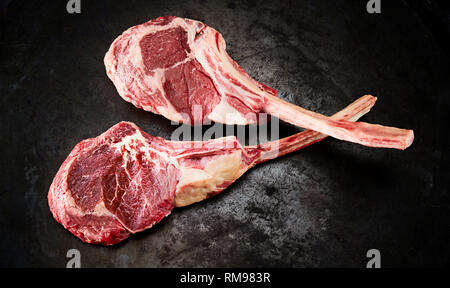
[[180, 69], [126, 180]]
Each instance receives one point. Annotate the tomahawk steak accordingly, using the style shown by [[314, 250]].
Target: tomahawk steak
[[125, 180], [180, 69]]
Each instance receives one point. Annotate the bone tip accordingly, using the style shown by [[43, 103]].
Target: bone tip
[[371, 96], [409, 139]]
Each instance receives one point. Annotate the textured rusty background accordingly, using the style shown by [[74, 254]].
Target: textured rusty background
[[323, 206]]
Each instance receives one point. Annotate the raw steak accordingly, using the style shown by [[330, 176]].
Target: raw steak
[[125, 180], [180, 69]]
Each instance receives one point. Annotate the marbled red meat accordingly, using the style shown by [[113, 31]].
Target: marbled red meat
[[179, 68], [125, 180]]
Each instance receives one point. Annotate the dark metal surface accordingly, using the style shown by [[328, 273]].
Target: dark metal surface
[[323, 206]]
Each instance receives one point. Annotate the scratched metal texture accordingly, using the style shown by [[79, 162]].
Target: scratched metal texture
[[323, 206]]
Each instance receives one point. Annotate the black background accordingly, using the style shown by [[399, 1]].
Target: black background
[[323, 206]]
